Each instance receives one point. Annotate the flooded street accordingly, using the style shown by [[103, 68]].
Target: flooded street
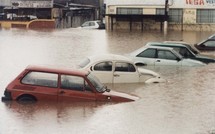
[[183, 105]]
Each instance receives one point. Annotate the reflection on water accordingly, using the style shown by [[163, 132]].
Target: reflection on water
[[182, 105]]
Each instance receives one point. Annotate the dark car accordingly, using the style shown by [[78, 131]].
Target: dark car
[[207, 45], [41, 83], [185, 50]]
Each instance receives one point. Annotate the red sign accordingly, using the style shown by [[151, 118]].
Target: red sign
[[195, 2]]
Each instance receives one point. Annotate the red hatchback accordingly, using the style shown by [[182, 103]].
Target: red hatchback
[[41, 83]]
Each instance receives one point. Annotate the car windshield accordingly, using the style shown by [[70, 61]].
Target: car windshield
[[96, 83], [84, 63], [192, 49]]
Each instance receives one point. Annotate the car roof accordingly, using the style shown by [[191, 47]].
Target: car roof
[[110, 57], [56, 70], [169, 43], [164, 48]]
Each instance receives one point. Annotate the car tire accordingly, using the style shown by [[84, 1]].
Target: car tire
[[26, 98]]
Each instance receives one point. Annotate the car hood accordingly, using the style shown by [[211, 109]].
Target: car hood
[[205, 58], [190, 62], [120, 97], [144, 71]]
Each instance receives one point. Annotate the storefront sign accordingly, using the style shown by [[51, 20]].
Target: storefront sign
[[161, 3], [33, 4], [200, 2]]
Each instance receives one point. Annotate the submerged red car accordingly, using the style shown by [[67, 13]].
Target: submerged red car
[[37, 83]]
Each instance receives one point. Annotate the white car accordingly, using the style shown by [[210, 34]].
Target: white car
[[112, 68], [97, 24], [161, 56]]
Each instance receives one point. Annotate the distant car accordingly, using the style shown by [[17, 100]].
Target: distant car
[[41, 83], [206, 45], [185, 50], [93, 25], [161, 56], [212, 36], [111, 68]]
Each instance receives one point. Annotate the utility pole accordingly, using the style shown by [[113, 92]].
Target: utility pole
[[166, 15], [101, 4]]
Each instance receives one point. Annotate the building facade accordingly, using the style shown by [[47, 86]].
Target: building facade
[[145, 14], [63, 13]]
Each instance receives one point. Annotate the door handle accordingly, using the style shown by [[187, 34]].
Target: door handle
[[158, 61], [116, 75], [62, 92]]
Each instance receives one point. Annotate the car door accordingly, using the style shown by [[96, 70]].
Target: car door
[[166, 57], [42, 85], [75, 88], [125, 73], [103, 71]]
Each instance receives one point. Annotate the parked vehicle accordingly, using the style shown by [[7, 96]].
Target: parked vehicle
[[206, 45], [38, 83], [161, 56], [93, 25], [184, 49], [112, 68]]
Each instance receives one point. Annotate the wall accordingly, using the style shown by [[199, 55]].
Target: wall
[[34, 24]]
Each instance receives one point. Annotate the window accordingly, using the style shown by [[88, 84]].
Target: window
[[41, 79], [86, 24], [185, 52], [175, 15], [103, 66], [205, 15], [124, 67], [74, 83], [160, 11], [129, 11], [162, 54], [148, 53]]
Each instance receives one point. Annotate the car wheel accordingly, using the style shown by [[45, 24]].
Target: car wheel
[[26, 98]]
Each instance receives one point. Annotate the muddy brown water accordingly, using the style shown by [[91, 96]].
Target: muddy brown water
[[183, 105]]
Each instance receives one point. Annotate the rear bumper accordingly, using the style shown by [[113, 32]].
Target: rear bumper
[[5, 99], [7, 96]]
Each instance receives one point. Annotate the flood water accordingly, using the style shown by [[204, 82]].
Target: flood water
[[183, 105]]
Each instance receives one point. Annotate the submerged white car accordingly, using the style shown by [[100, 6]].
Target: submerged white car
[[112, 68], [161, 56], [97, 24]]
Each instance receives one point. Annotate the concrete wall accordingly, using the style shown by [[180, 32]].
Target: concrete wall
[[34, 24]]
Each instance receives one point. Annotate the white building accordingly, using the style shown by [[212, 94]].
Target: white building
[[150, 14]]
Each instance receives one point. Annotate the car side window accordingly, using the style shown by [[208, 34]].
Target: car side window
[[148, 53], [74, 83], [124, 67], [91, 24], [41, 79], [163, 54], [185, 52], [85, 24], [103, 66]]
